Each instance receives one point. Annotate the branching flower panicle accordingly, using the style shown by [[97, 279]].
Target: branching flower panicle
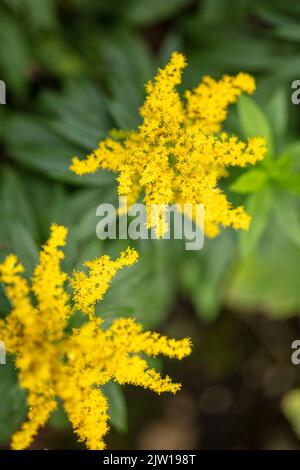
[[179, 152], [54, 364]]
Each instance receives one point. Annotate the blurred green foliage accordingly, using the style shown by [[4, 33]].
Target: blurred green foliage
[[75, 69]]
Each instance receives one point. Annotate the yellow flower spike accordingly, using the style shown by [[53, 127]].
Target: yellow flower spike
[[40, 408], [54, 364], [207, 104], [177, 155], [48, 282], [90, 289], [23, 314]]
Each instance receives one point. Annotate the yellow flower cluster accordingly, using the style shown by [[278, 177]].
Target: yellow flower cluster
[[179, 153], [54, 364]]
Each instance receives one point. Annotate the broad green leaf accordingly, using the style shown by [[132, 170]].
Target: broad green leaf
[[16, 202], [24, 246], [271, 15], [36, 13], [120, 111], [58, 56], [39, 148], [253, 121], [212, 11], [149, 11], [86, 226], [19, 221], [14, 54], [242, 53], [292, 151], [132, 290], [203, 273], [12, 403], [290, 32], [218, 255], [42, 204], [85, 220], [127, 59], [172, 42], [206, 302], [287, 211], [83, 199], [277, 113], [285, 170], [89, 250], [71, 252], [258, 206], [41, 14], [79, 114], [268, 280], [290, 181], [250, 182]]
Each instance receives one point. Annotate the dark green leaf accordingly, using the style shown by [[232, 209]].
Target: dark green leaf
[[149, 11], [14, 54]]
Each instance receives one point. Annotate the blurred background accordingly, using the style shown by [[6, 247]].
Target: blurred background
[[74, 69]]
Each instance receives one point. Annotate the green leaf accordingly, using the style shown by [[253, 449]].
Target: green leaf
[[253, 121], [285, 170], [16, 200], [41, 14], [58, 56], [172, 42], [39, 148], [86, 226], [212, 11], [271, 15], [89, 250], [291, 408], [14, 54], [24, 246], [268, 280], [19, 221], [291, 182], [202, 275], [117, 405], [290, 32], [131, 291], [82, 201], [126, 61], [59, 210], [206, 302], [150, 11], [287, 212], [79, 114], [38, 14], [250, 182], [126, 58], [59, 419], [292, 151], [258, 206], [277, 113], [13, 401]]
